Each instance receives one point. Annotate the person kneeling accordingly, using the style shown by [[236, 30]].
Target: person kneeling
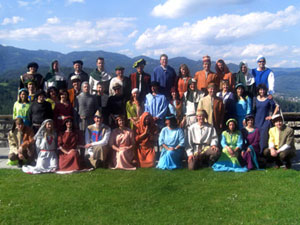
[[281, 143]]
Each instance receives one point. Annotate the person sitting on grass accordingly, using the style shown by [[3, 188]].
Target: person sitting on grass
[[202, 145], [171, 141], [281, 143], [46, 146], [96, 141], [21, 144], [231, 142]]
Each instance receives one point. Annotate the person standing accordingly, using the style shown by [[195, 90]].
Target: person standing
[[99, 75], [55, 78], [123, 81], [223, 73], [77, 65], [165, 75], [75, 90], [32, 75]]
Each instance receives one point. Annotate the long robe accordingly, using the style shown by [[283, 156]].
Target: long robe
[[251, 140], [170, 160], [203, 81]]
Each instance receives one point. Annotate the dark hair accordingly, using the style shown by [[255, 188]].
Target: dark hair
[[51, 89], [61, 92], [26, 99], [261, 86], [173, 121], [163, 55], [100, 58], [65, 127], [17, 120], [186, 68], [226, 70], [244, 95]]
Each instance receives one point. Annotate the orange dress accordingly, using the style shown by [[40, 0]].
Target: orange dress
[[202, 81], [182, 85]]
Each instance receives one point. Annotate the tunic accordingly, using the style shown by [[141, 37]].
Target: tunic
[[36, 77], [203, 81], [251, 140], [124, 140], [21, 110], [38, 112], [265, 77], [227, 162], [126, 86], [166, 78], [145, 145], [229, 105], [182, 85], [83, 77], [71, 161], [95, 77], [60, 112], [55, 79], [170, 160], [141, 82], [132, 111], [243, 108]]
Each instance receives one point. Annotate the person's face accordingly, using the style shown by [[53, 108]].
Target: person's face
[[100, 64], [77, 66], [19, 126], [52, 94], [23, 96], [63, 96], [211, 91], [140, 68], [240, 91], [183, 71], [55, 66], [206, 66], [100, 89], [262, 92], [147, 121], [261, 63], [220, 66], [200, 119], [154, 89], [30, 87], [193, 86], [244, 68], [69, 124], [278, 123], [119, 73], [32, 69], [164, 61], [117, 91], [76, 85], [97, 121], [173, 94], [167, 122], [41, 98], [231, 126], [121, 122], [225, 87], [49, 126], [85, 88], [135, 95], [250, 122]]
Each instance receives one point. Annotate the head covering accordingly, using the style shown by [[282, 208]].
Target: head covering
[[68, 118], [141, 127], [239, 85], [116, 86], [118, 117], [23, 89], [139, 62], [260, 57], [33, 64], [247, 78], [75, 78], [170, 116], [30, 81], [134, 90], [211, 85], [231, 120], [206, 58], [249, 116], [41, 131], [119, 68], [202, 113], [98, 114], [190, 93], [276, 117], [77, 61]]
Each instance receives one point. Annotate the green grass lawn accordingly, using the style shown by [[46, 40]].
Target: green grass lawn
[[150, 196]]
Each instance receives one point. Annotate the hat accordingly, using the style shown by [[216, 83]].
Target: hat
[[239, 85], [77, 61], [154, 83], [98, 114], [276, 117], [206, 58], [211, 85], [75, 77], [117, 117], [202, 113], [116, 86], [23, 89], [30, 81], [249, 116], [231, 120], [170, 116], [119, 68], [260, 57], [134, 90], [68, 118], [139, 62], [225, 81], [32, 64]]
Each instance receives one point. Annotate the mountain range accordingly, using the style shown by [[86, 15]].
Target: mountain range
[[14, 62]]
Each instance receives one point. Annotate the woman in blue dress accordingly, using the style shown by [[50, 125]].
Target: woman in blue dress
[[243, 104], [171, 141], [263, 108]]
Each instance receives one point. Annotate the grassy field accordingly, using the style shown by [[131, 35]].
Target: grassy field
[[150, 196]]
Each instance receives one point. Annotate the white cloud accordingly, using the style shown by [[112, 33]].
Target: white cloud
[[176, 8], [133, 34], [127, 52], [81, 34], [75, 1], [27, 3], [53, 20], [12, 20]]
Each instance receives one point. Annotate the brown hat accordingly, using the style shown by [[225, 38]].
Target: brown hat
[[211, 85], [98, 114]]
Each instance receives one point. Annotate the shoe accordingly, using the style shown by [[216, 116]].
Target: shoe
[[288, 165], [20, 163]]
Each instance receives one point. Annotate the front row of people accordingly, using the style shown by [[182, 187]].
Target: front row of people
[[123, 148]]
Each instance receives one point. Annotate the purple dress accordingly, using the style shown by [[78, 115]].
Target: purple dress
[[262, 110], [251, 140]]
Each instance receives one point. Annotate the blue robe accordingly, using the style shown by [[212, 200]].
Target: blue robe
[[157, 106], [261, 77], [170, 160], [165, 78], [243, 108]]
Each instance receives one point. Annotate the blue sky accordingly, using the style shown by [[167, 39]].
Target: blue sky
[[233, 30]]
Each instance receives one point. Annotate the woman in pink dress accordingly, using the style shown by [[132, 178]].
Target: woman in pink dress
[[122, 144]]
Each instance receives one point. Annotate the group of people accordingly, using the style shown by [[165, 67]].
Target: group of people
[[225, 120]]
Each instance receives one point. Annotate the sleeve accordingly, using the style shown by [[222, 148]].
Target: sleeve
[[248, 105], [290, 137], [60, 141], [214, 137], [15, 111], [239, 143], [91, 83], [161, 139], [30, 139], [271, 141], [283, 148], [189, 148], [13, 147], [163, 107], [128, 110], [223, 141], [271, 83], [181, 138]]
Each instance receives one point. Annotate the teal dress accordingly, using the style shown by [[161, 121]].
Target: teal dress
[[170, 160]]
